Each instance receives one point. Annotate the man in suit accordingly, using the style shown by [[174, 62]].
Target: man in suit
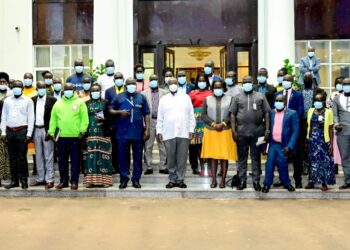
[[153, 95], [294, 100], [284, 127], [209, 72], [310, 63], [44, 147], [184, 86], [265, 88]]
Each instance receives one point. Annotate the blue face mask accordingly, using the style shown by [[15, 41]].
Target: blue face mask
[[181, 80], [218, 92], [208, 70], [17, 91], [202, 85], [247, 87], [318, 105], [57, 87], [139, 76], [153, 84], [286, 84], [339, 87], [280, 79], [311, 54], [86, 86], [229, 81], [28, 82], [118, 82], [48, 81], [110, 70], [262, 79], [131, 88], [279, 105], [68, 93], [95, 95], [41, 92], [346, 88], [79, 69]]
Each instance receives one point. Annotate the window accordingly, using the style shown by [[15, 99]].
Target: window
[[334, 55], [242, 65], [59, 59]]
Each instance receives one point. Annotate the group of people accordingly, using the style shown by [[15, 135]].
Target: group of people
[[95, 125]]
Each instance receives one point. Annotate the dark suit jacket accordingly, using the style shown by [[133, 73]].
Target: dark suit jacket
[[290, 128], [50, 101], [110, 93], [269, 94], [296, 102]]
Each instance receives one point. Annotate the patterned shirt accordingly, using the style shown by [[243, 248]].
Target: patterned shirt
[[308, 96]]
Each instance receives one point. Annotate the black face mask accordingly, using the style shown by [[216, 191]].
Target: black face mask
[[308, 82]]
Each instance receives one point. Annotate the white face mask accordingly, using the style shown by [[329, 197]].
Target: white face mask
[[173, 88]]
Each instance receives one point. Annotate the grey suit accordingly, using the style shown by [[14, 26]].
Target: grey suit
[[150, 142], [305, 66]]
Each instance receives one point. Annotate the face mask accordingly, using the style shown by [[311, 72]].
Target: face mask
[[17, 91], [261, 79], [173, 88], [28, 82], [86, 86], [286, 84], [218, 92], [57, 87], [229, 81], [167, 79], [153, 84], [339, 87], [279, 79], [202, 85], [318, 105], [208, 70], [131, 88], [95, 95], [247, 87], [139, 76], [346, 88], [79, 69], [3, 87], [181, 80], [68, 93], [311, 54], [41, 92], [48, 81], [279, 105], [110, 70], [118, 82], [307, 82]]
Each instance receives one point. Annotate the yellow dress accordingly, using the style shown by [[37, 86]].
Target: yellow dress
[[30, 92]]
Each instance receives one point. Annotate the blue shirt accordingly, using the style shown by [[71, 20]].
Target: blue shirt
[[77, 81], [132, 126]]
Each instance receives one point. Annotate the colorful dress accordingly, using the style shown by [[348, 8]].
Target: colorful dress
[[197, 98], [321, 162], [4, 156], [336, 152], [97, 154]]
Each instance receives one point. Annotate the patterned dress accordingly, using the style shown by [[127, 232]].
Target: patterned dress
[[97, 155], [321, 162], [4, 156]]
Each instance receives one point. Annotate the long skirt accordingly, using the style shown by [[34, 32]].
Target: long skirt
[[4, 161]]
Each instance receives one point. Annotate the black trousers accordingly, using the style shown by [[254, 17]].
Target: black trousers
[[299, 154], [17, 148], [115, 161], [195, 154]]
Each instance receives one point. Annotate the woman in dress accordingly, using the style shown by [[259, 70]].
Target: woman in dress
[[198, 95], [97, 156], [218, 144], [320, 144], [85, 94]]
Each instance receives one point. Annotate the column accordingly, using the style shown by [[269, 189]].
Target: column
[[276, 38], [113, 34]]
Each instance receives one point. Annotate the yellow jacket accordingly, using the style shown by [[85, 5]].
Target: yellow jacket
[[328, 116]]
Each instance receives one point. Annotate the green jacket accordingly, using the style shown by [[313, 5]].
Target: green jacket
[[70, 116]]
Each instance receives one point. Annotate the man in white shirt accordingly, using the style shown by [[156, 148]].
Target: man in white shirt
[[57, 88], [175, 126], [107, 80], [17, 122]]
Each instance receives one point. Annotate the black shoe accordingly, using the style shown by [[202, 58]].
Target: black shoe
[[278, 184], [164, 171], [24, 184], [136, 184], [298, 185], [123, 185], [257, 186], [182, 185], [195, 171], [265, 189], [345, 186], [290, 188], [148, 171], [171, 185], [242, 186], [13, 184]]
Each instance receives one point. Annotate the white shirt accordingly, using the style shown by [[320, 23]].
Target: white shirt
[[175, 116], [345, 102], [57, 96], [105, 81], [17, 112], [40, 109]]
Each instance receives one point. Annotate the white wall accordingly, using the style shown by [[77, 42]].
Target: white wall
[[276, 37], [16, 48], [113, 34]]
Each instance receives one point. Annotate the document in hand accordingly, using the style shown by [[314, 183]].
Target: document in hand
[[126, 105]]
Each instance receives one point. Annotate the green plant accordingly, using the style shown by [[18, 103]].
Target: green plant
[[96, 72], [290, 71]]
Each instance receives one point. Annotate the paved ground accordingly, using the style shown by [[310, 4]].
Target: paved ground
[[92, 223]]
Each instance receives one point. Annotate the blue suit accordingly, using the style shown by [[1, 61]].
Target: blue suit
[[314, 69], [296, 102], [290, 134], [215, 78]]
